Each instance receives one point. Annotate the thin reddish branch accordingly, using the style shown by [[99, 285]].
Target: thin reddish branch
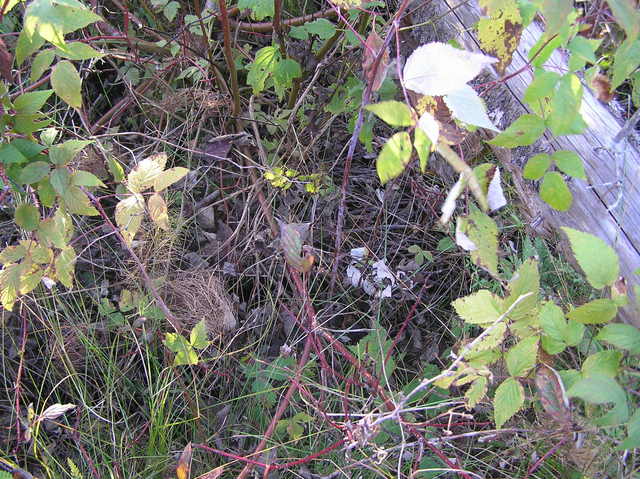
[[264, 27]]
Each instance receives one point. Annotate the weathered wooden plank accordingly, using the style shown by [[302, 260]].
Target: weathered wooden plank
[[593, 199]]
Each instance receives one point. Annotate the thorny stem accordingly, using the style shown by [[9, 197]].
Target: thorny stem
[[295, 382], [352, 146], [228, 55]]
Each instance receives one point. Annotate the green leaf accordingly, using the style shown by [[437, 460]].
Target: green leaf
[[623, 336], [9, 154], [198, 336], [40, 64], [573, 333], [522, 132], [322, 28], [521, 358], [84, 178], [27, 45], [116, 170], [46, 193], [569, 163], [594, 312], [552, 321], [525, 280], [170, 10], [64, 264], [476, 392], [27, 216], [65, 152], [284, 73], [67, 83], [627, 15], [260, 9], [633, 433], [394, 157], [31, 102], [169, 177], [555, 13], [508, 400], [60, 179], [78, 51], [34, 172], [481, 307], [28, 123], [564, 117], [596, 258], [606, 363], [555, 192], [178, 344], [536, 166], [13, 254], [422, 144], [541, 87], [262, 67], [393, 113], [625, 61], [76, 202], [600, 389], [10, 284], [28, 148]]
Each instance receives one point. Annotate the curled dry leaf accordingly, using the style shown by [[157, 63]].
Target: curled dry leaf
[[292, 235], [55, 411], [373, 75], [602, 87], [553, 396], [183, 471]]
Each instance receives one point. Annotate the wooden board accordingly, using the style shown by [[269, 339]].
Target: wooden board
[[608, 174]]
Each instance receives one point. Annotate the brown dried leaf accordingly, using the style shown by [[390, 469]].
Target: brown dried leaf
[[602, 87], [552, 396], [183, 471], [6, 61], [292, 236], [375, 76]]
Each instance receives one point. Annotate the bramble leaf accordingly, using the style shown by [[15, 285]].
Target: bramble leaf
[[522, 132], [623, 336], [594, 312], [521, 358], [569, 163], [394, 157], [536, 166], [67, 83], [555, 192], [482, 307], [392, 112], [158, 211], [596, 258], [508, 400]]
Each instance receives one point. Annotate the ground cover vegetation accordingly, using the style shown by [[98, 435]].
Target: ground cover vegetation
[[226, 252]]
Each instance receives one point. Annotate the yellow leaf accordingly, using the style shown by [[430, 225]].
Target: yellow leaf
[[129, 216], [64, 264], [144, 174], [169, 177], [158, 211]]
